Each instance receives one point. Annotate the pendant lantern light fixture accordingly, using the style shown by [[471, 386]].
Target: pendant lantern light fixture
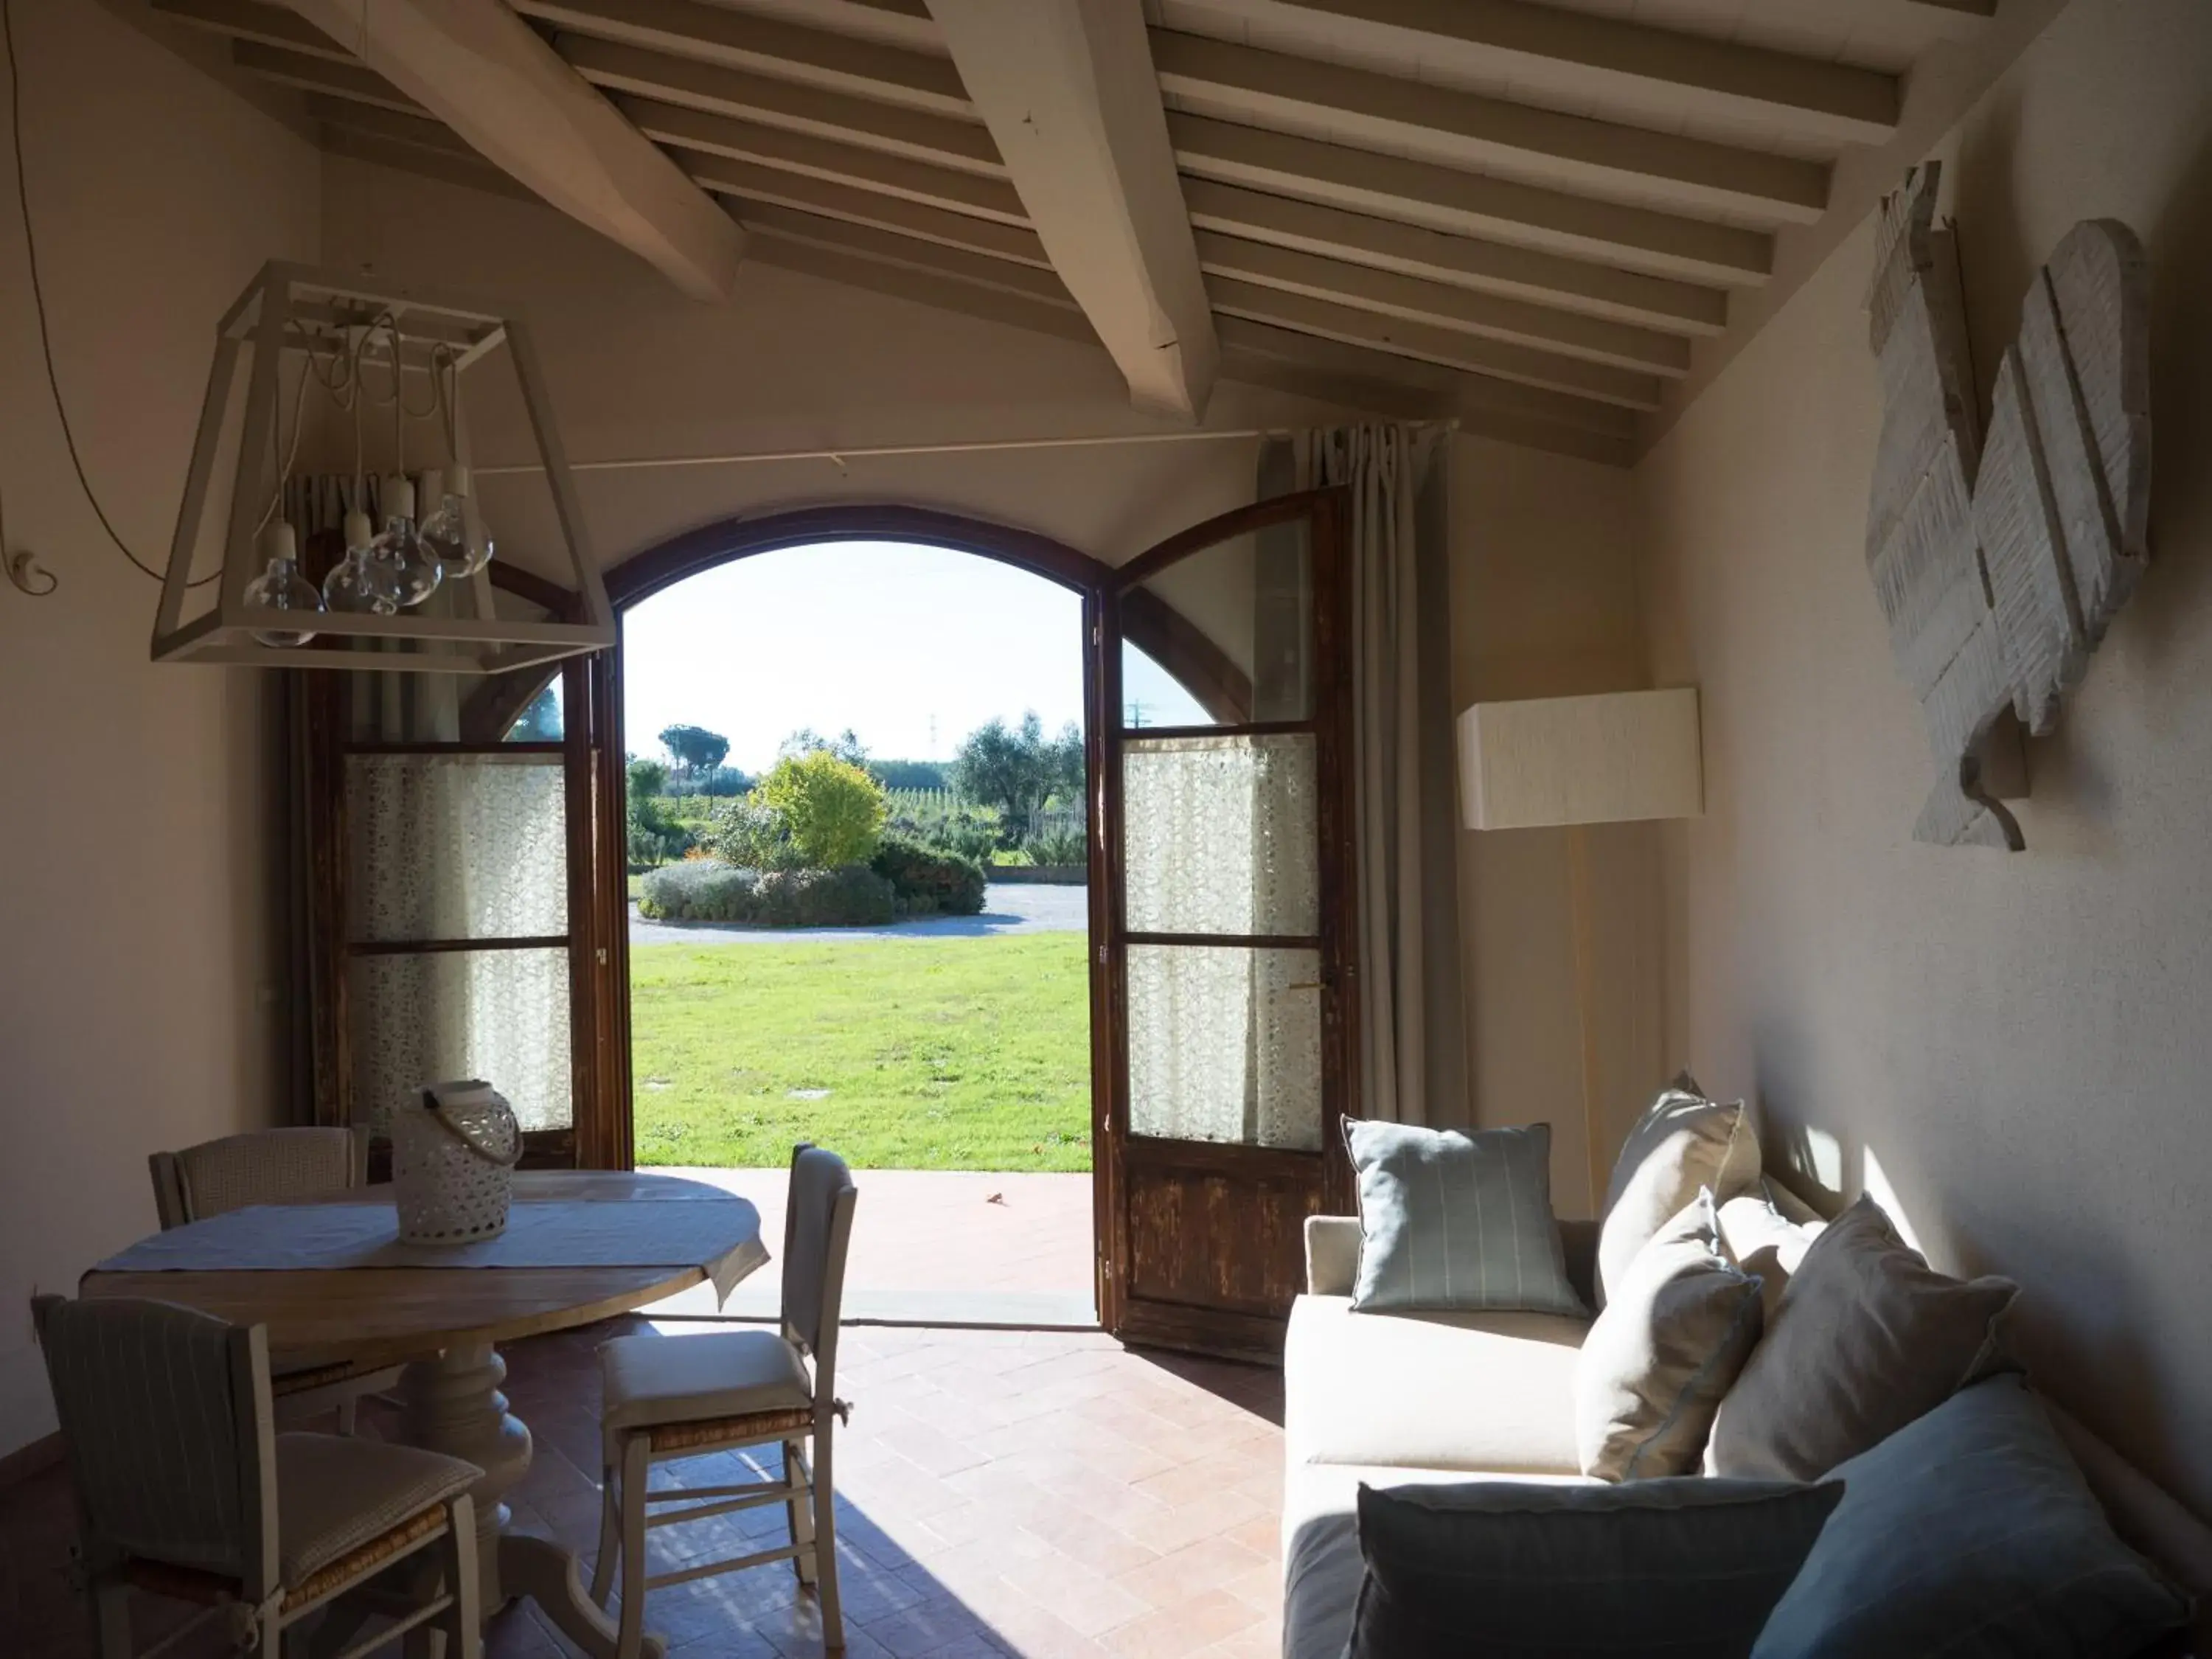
[[415, 593]]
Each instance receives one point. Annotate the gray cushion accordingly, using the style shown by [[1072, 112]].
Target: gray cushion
[[1682, 1142], [1970, 1533], [336, 1493], [1867, 1338], [1453, 1220], [1688, 1568], [1655, 1365], [647, 1381]]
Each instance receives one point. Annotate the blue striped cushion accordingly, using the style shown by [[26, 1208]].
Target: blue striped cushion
[[1450, 1220], [1970, 1534]]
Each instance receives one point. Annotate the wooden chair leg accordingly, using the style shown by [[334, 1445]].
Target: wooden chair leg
[[825, 1543], [111, 1619], [800, 1508], [462, 1622], [634, 1473], [603, 1571]]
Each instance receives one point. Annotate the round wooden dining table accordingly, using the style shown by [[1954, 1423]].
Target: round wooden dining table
[[446, 1323]]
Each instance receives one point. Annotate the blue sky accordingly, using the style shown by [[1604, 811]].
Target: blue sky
[[913, 648]]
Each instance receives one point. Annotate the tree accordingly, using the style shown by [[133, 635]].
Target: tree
[[835, 811], [846, 746], [1018, 770], [696, 748], [1065, 755], [647, 777], [540, 719]]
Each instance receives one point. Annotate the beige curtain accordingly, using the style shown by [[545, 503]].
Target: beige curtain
[[1413, 1064]]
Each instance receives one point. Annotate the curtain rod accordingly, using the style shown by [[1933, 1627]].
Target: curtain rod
[[968, 447]]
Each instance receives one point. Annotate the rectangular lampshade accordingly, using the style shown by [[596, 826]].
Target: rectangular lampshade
[[1581, 760]]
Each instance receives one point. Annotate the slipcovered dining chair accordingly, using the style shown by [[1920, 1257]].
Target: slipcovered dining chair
[[276, 1166], [184, 1489], [689, 1396]]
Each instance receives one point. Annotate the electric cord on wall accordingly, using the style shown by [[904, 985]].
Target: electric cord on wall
[[23, 570]]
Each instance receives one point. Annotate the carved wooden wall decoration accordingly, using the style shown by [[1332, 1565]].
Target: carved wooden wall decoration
[[1999, 560]]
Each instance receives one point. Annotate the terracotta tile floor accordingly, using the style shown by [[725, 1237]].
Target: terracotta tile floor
[[942, 1246], [999, 1492]]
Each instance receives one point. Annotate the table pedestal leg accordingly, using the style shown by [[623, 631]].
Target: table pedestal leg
[[454, 1406]]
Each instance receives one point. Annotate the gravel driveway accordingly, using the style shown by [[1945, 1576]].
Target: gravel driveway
[[1008, 908]]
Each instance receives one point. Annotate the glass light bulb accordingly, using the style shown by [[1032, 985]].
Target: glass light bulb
[[364, 581], [415, 566], [453, 538], [280, 587]]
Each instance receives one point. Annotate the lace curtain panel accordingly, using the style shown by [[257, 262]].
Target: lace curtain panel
[[459, 848], [1224, 1041], [1220, 835]]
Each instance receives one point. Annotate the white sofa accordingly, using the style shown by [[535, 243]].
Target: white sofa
[[1396, 1399]]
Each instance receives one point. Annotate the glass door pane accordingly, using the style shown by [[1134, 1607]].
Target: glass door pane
[[1225, 1045], [1220, 834], [1231, 626]]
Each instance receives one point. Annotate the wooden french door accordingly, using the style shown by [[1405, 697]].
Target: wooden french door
[[1223, 1022], [463, 898]]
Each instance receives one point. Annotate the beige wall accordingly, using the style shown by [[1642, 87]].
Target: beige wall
[[2015, 1048], [1544, 604], [135, 980]]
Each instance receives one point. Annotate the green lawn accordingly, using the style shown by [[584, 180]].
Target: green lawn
[[935, 1053]]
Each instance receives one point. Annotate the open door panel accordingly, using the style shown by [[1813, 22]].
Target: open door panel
[[1224, 913]]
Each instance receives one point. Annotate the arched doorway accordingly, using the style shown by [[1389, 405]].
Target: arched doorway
[[1221, 896], [947, 1055]]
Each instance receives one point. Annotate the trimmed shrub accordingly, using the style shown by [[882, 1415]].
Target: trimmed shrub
[[753, 835], [702, 889], [835, 810], [707, 889], [929, 880], [1059, 847]]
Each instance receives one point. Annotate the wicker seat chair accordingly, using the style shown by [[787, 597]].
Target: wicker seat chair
[[276, 1166], [184, 1489], [674, 1397]]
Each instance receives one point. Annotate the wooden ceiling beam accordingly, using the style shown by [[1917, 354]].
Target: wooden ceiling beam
[[1464, 129], [751, 183], [936, 139], [737, 39], [896, 248], [826, 159], [1417, 300], [1070, 95], [485, 73], [390, 126], [252, 20], [1303, 314], [1493, 267], [330, 77], [1548, 46], [1471, 203]]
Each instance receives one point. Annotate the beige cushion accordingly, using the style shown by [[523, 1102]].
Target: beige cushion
[[1492, 1392], [1680, 1322], [336, 1493], [651, 1380], [1684, 1141], [1869, 1337], [1761, 1239]]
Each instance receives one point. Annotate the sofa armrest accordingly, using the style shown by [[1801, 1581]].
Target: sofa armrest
[[1331, 1254]]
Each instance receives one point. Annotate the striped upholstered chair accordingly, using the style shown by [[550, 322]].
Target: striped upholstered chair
[[665, 1398], [276, 1166], [184, 1489]]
